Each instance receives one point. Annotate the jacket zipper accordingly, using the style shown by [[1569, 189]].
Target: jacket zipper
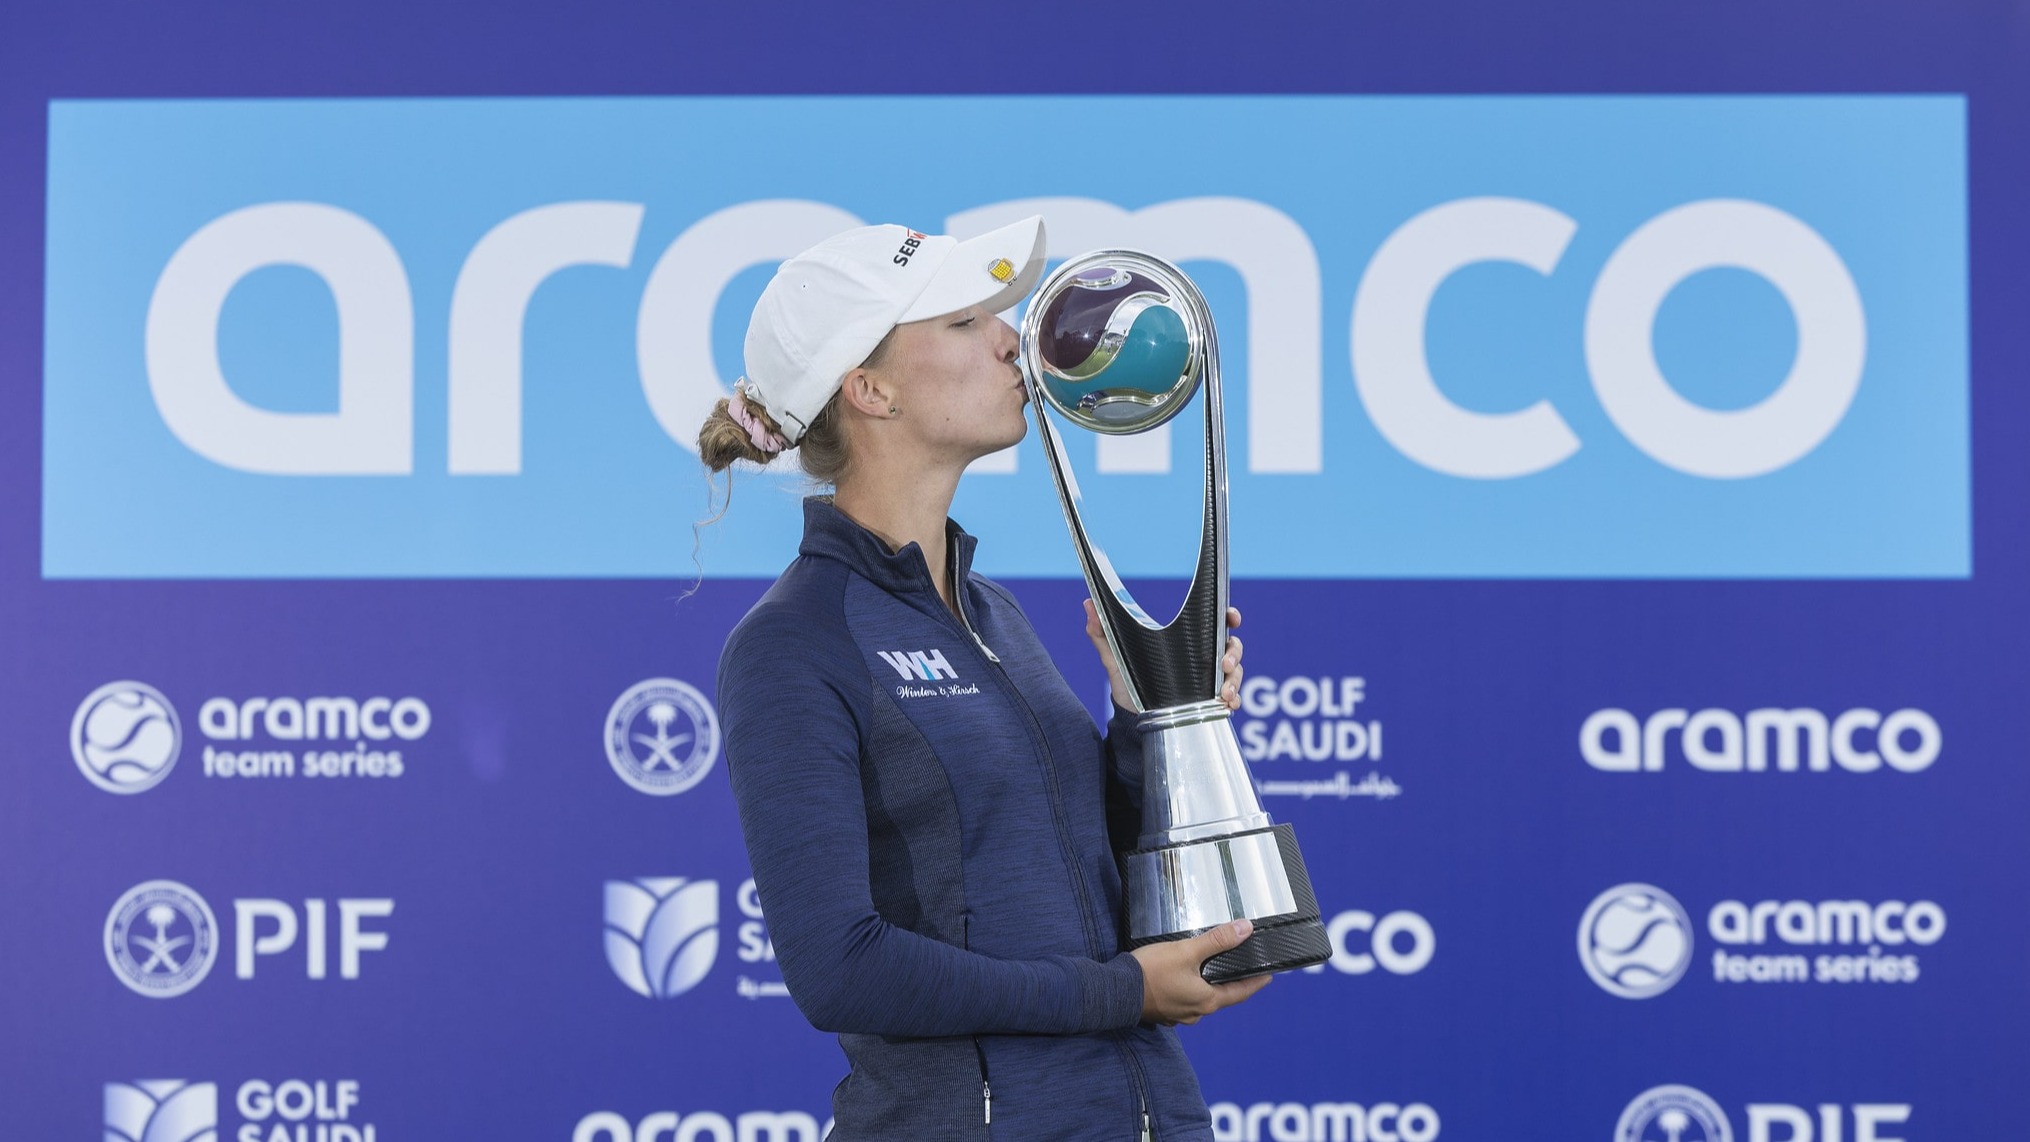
[[979, 1052], [959, 600], [986, 1090], [1135, 1075], [1071, 858], [1049, 771]]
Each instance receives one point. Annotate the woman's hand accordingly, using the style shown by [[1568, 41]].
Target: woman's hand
[[1172, 990], [1230, 663]]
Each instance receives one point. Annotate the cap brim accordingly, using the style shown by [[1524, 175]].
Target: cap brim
[[966, 277]]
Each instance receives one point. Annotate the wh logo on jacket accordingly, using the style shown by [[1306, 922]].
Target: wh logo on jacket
[[929, 665]]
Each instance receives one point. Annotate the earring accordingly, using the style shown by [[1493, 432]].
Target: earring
[[893, 411]]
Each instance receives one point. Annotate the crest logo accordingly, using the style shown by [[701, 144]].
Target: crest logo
[[161, 938], [1635, 941], [125, 737], [662, 736], [662, 933], [161, 1110], [1673, 1114]]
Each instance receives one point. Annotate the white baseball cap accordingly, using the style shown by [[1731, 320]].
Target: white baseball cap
[[827, 308]]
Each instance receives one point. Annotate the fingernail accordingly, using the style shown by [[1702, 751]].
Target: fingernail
[[1243, 928]]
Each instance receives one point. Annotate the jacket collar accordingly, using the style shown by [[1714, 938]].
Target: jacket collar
[[830, 533]]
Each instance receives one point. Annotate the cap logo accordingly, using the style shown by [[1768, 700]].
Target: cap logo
[[908, 248], [1001, 270]]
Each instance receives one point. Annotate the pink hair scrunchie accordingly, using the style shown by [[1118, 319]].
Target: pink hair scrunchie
[[743, 415]]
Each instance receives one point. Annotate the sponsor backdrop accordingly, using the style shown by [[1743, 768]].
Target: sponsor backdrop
[[1628, 517]]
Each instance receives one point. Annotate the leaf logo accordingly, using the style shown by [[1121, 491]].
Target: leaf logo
[[162, 1110], [662, 933]]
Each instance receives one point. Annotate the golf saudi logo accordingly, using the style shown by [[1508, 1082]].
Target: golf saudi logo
[[662, 736], [161, 938], [125, 737], [1673, 1113], [161, 1110], [1635, 941], [662, 933]]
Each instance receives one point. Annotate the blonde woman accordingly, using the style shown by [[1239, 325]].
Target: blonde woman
[[932, 817]]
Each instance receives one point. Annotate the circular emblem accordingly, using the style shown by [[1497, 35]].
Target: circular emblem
[[662, 736], [1116, 341], [1673, 1114], [161, 938], [1635, 941], [125, 737]]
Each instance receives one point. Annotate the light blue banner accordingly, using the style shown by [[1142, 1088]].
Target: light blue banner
[[1464, 337]]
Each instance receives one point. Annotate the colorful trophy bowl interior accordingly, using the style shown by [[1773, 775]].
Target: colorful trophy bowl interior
[[1118, 355]]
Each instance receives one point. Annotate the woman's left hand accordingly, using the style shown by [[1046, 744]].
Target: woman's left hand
[[1230, 662]]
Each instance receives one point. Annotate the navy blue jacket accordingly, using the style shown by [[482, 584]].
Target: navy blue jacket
[[927, 810]]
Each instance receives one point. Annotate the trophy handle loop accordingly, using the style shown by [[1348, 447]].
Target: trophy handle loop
[[1175, 663]]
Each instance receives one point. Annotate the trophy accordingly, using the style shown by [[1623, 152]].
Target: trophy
[[1118, 341]]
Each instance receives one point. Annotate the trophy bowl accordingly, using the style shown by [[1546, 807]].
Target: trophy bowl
[[1118, 342], [1119, 348]]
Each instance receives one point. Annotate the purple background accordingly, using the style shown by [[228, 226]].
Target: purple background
[[492, 1013]]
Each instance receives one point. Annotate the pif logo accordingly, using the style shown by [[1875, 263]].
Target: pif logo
[[1678, 1113], [1673, 1113], [161, 937]]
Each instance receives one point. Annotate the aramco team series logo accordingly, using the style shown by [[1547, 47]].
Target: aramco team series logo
[[1635, 941], [161, 938], [125, 737], [662, 736], [662, 933], [1673, 1113], [162, 1110]]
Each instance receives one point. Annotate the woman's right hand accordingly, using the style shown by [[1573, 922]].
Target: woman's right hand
[[1172, 990]]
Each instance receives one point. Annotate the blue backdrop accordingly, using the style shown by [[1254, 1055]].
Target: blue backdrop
[[1627, 515]]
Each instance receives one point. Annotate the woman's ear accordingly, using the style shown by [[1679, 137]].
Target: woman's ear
[[866, 392]]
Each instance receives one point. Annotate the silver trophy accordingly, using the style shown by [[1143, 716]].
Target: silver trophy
[[1118, 341]]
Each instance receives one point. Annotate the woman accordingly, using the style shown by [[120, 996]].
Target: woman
[[932, 818]]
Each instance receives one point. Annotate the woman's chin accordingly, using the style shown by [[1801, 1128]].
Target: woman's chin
[[1010, 439]]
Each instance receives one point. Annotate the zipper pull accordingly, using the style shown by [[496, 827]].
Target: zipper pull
[[987, 1095], [984, 649], [959, 604], [1146, 1135]]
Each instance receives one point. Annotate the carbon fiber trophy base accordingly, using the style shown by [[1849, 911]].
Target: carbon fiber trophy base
[[1282, 942]]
